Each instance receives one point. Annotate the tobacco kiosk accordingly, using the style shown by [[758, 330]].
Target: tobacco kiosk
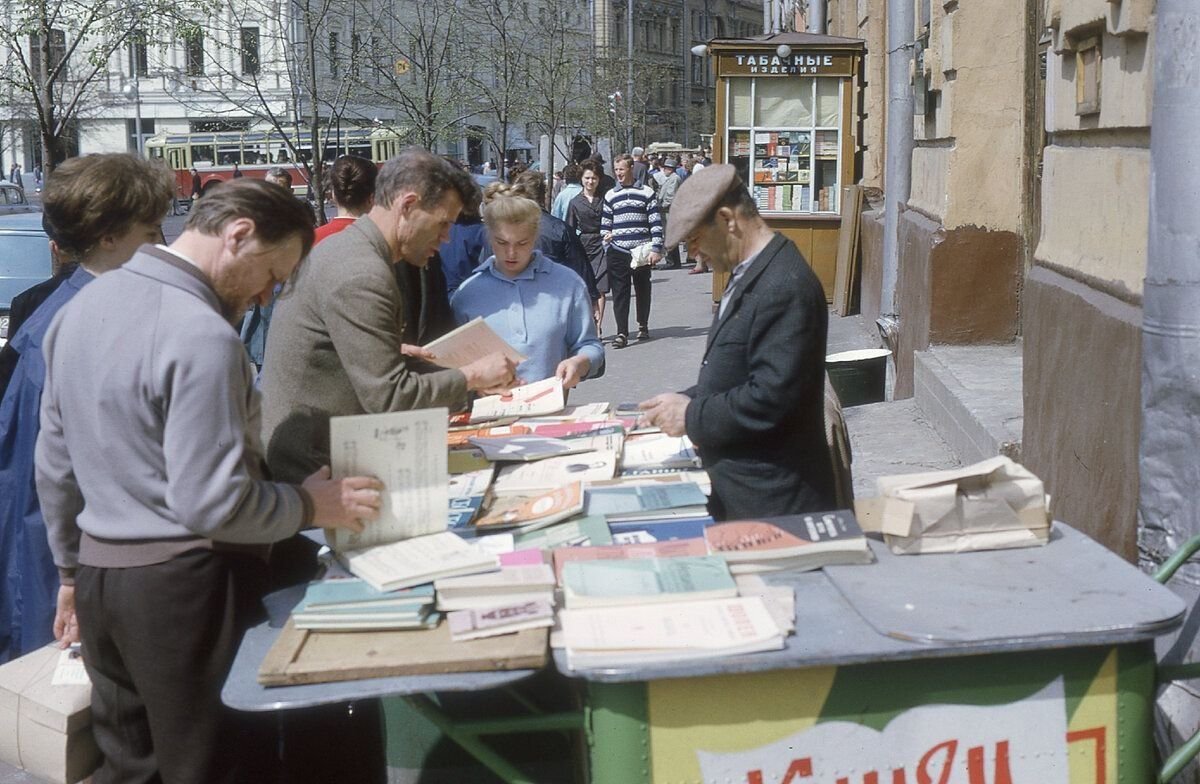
[[787, 118]]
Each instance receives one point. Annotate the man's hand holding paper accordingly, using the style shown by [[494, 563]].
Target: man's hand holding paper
[[343, 503]]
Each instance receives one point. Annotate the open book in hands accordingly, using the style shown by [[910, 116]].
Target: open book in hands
[[470, 342]]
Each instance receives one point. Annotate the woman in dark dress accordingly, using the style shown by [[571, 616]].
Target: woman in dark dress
[[583, 215]]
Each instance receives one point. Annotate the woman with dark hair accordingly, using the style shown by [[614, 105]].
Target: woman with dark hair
[[583, 215], [352, 181]]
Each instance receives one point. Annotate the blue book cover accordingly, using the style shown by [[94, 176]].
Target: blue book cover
[[342, 593], [640, 531]]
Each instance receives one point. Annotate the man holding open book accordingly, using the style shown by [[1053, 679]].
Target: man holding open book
[[335, 340], [756, 414]]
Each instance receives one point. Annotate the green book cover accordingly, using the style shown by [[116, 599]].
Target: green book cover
[[355, 593], [593, 529], [601, 583]]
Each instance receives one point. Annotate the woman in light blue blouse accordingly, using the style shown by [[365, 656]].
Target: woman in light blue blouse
[[539, 306]]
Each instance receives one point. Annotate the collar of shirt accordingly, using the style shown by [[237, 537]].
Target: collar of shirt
[[734, 277], [536, 265]]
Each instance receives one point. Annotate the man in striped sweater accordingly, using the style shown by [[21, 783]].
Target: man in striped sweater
[[630, 219]]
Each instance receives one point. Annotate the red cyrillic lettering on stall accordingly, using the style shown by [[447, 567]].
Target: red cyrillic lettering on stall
[[1099, 736], [951, 748], [976, 774], [754, 777], [799, 767]]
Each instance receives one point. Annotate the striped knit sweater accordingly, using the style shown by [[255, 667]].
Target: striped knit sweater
[[631, 214]]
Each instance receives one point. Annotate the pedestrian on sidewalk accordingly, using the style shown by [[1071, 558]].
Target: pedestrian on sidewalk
[[668, 185], [584, 215], [756, 413], [107, 205], [631, 229], [151, 483]]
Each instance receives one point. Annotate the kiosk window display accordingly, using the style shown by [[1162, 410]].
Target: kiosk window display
[[787, 116], [783, 136]]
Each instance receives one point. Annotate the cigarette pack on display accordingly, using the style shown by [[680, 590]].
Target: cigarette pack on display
[[46, 729]]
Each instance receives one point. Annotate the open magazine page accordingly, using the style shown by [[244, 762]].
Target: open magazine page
[[406, 450]]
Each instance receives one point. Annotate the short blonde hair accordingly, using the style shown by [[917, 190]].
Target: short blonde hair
[[506, 204]]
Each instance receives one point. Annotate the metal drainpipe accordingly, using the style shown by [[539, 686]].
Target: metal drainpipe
[[1169, 508], [816, 16], [898, 169], [1169, 504]]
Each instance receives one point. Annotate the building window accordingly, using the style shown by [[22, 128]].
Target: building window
[[333, 54], [141, 61], [193, 52], [355, 54], [697, 69], [1087, 76], [675, 24], [58, 50], [376, 59], [250, 59]]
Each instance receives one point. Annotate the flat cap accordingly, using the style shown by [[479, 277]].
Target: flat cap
[[698, 198]]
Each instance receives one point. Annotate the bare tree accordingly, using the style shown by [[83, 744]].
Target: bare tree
[[59, 54], [561, 74], [414, 70], [502, 35]]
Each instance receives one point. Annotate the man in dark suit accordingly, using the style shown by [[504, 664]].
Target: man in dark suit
[[756, 414]]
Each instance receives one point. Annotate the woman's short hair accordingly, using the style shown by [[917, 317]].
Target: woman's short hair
[[419, 171], [353, 182], [507, 204], [591, 165], [277, 214], [572, 173], [531, 185], [95, 196]]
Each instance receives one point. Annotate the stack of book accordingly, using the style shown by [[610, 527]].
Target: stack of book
[[651, 633], [353, 605], [798, 542], [642, 581], [657, 501], [507, 586], [422, 559], [503, 602]]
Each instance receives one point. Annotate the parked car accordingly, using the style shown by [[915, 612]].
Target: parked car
[[24, 260], [13, 199]]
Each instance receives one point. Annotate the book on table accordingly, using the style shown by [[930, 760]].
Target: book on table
[[528, 513], [509, 585], [607, 583], [655, 633], [524, 447], [553, 472], [799, 542], [418, 560], [353, 604], [676, 548], [646, 502], [536, 399], [644, 531], [659, 450], [470, 342], [505, 619]]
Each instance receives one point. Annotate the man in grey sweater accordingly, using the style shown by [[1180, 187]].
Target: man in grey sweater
[[149, 471], [335, 339]]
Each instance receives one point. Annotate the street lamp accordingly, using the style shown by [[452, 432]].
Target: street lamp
[[130, 91]]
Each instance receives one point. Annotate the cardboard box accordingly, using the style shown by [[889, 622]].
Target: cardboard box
[[45, 729], [991, 505]]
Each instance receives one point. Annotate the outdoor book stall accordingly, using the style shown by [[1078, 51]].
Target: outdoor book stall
[[781, 650], [787, 118]]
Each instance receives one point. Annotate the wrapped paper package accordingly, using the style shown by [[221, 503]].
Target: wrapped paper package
[[992, 505]]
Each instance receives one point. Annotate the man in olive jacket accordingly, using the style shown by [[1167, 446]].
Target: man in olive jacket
[[756, 414], [335, 339]]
